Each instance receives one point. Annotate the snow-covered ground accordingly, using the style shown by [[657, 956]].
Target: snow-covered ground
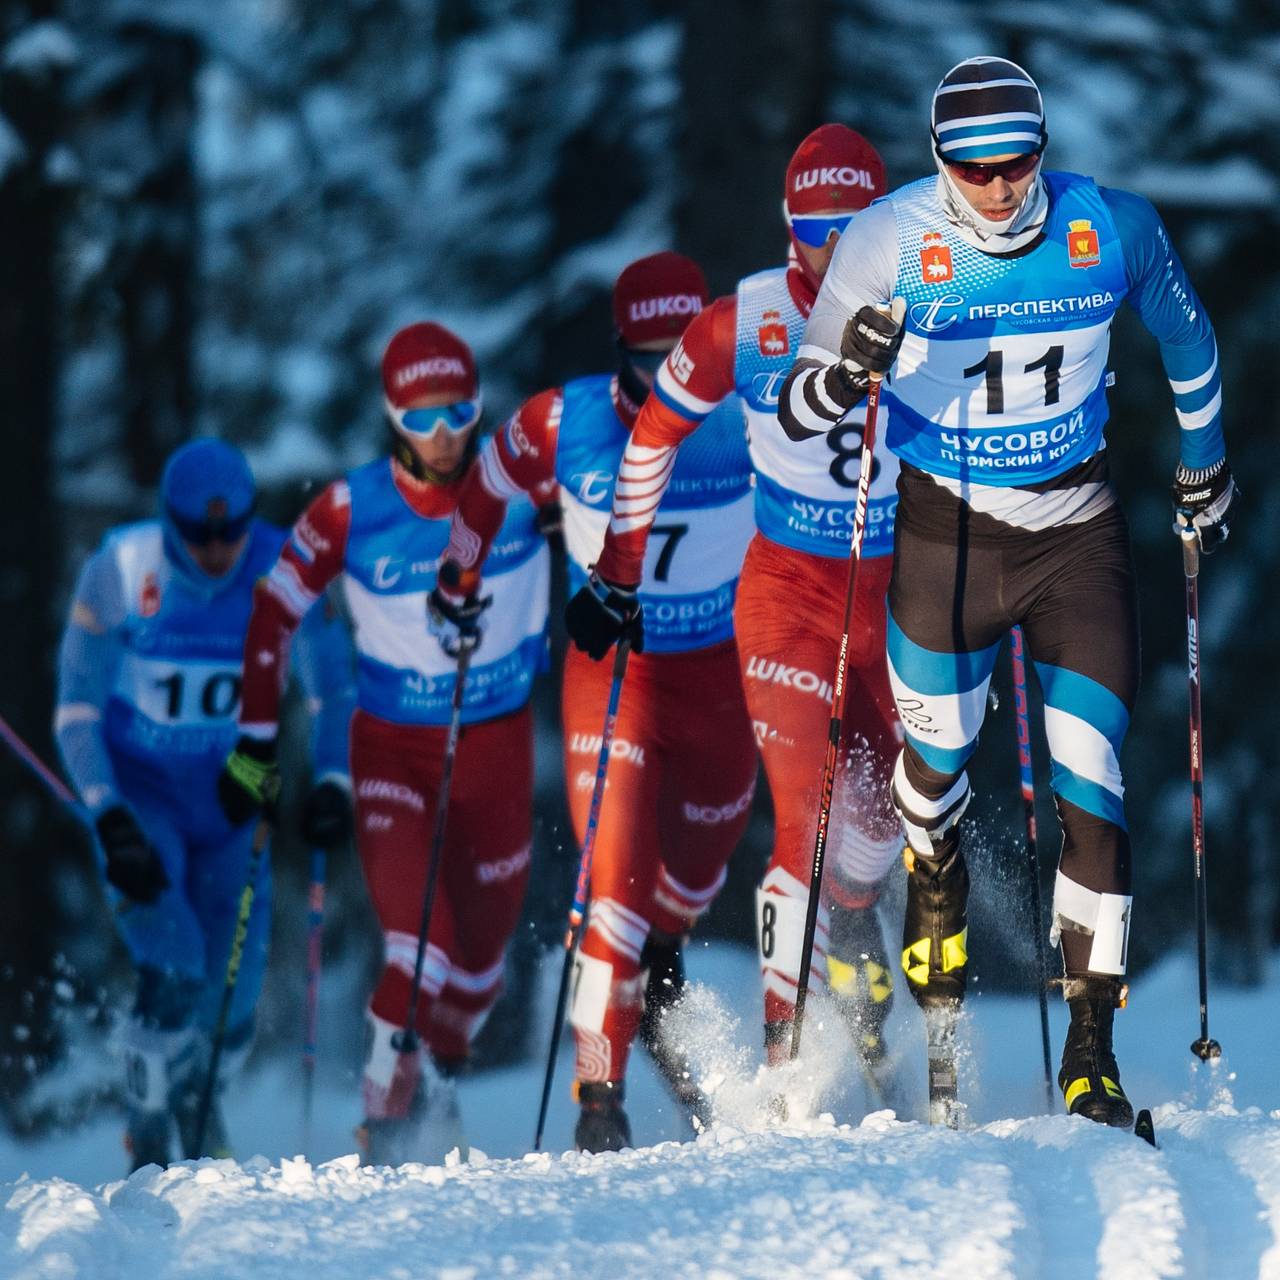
[[845, 1194]]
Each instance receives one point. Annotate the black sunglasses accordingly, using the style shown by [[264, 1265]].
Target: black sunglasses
[[202, 532]]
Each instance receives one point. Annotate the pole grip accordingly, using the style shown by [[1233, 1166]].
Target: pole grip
[[1190, 552]]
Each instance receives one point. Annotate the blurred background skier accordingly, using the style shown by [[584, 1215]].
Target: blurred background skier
[[789, 608], [148, 695], [1005, 279], [384, 527], [682, 768]]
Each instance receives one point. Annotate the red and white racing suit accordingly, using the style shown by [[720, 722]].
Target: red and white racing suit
[[789, 608], [384, 531], [682, 766]]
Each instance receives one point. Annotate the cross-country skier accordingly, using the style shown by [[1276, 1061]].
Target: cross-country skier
[[789, 608], [148, 691], [1010, 275], [678, 799], [384, 527]]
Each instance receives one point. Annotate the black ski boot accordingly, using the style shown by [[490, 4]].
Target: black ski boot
[[146, 1138], [602, 1124], [859, 976], [186, 1111], [390, 1140], [1090, 1079], [663, 957], [935, 930]]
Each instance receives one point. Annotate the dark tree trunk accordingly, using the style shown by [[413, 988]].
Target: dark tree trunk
[[30, 533], [156, 282], [755, 81]]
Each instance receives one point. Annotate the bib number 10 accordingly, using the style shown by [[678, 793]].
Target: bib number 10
[[991, 367], [218, 696]]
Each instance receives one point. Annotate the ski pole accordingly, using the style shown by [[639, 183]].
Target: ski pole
[[315, 938], [406, 1041], [236, 955], [1025, 765], [582, 892], [1204, 1048], [53, 784], [838, 694]]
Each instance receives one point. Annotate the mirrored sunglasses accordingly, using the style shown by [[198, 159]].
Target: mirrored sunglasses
[[816, 231], [424, 423], [979, 175]]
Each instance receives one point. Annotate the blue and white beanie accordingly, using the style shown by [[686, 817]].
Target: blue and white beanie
[[987, 107]]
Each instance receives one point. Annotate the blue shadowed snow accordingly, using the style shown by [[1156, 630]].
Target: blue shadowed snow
[[1020, 1196]]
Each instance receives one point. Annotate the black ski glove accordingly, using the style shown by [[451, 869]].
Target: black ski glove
[[868, 345], [249, 783], [326, 815], [601, 614], [133, 865], [454, 616], [1205, 500]]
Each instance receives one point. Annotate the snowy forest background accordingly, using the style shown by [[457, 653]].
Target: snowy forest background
[[214, 215]]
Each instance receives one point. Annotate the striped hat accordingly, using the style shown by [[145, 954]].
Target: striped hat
[[987, 107]]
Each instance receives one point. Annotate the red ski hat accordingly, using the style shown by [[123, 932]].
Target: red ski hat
[[834, 168], [656, 297], [426, 359]]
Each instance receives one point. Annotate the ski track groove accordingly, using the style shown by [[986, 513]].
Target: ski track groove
[[1220, 1156]]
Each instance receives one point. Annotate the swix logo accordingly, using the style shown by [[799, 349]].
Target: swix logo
[[149, 600], [833, 176], [379, 822], [1193, 651], [937, 315], [676, 304], [710, 815], [436, 367], [765, 733], [772, 335], [395, 792], [593, 486], [502, 868], [619, 749], [773, 672], [935, 259], [680, 364]]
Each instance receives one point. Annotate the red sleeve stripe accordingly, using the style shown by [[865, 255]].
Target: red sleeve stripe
[[494, 475], [288, 588]]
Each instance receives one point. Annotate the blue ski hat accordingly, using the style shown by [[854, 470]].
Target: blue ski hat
[[206, 492]]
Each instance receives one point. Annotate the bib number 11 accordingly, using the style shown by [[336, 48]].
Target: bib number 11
[[991, 367]]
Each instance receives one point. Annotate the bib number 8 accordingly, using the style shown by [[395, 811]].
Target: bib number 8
[[845, 441]]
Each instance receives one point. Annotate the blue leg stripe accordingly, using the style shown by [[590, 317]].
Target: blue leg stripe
[[943, 759], [1087, 795], [931, 673], [1086, 698]]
